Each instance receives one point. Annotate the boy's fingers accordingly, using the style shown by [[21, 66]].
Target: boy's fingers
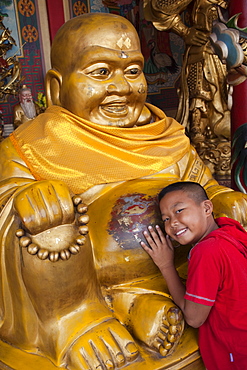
[[146, 248], [154, 234], [153, 241], [161, 234], [147, 235], [157, 235], [169, 243]]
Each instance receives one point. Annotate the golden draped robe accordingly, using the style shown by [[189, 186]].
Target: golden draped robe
[[60, 145]]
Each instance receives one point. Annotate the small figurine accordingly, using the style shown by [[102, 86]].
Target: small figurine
[[26, 109]]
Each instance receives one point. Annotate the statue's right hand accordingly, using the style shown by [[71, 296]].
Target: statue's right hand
[[43, 205], [196, 37]]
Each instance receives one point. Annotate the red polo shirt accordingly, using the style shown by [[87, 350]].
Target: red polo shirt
[[217, 277]]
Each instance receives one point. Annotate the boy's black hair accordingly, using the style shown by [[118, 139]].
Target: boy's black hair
[[193, 189]]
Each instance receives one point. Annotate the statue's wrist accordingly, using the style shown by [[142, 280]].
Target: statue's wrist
[[180, 28]]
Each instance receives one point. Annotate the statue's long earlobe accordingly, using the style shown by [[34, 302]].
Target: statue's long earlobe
[[53, 82]]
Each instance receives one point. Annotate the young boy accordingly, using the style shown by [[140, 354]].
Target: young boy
[[215, 297]]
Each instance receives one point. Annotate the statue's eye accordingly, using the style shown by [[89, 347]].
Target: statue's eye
[[100, 72], [103, 71], [133, 72]]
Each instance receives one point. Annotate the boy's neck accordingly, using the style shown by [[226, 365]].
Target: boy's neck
[[211, 227]]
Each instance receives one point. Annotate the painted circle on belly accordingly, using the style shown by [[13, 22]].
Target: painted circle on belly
[[130, 216]]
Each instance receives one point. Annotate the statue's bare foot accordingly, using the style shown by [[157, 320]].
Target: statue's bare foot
[[107, 346], [160, 325]]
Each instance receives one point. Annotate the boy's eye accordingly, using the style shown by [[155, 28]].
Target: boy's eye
[[165, 219], [179, 210]]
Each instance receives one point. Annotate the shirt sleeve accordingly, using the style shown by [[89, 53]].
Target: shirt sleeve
[[204, 272]]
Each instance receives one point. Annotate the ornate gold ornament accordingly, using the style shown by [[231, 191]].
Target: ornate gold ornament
[[10, 68], [204, 95]]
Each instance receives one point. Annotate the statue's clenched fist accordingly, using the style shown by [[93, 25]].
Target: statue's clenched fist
[[43, 205]]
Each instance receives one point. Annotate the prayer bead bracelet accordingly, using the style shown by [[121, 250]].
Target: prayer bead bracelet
[[25, 241]]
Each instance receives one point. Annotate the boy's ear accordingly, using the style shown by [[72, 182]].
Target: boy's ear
[[208, 206], [53, 83]]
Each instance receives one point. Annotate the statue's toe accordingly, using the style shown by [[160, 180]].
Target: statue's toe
[[169, 332]]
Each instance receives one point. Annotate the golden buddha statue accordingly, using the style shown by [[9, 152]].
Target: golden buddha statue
[[78, 188]]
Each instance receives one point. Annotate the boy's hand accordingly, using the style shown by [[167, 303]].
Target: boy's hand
[[162, 250]]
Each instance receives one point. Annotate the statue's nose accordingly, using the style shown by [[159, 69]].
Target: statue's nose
[[119, 85]]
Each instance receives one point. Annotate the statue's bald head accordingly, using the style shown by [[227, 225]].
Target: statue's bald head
[[92, 29], [97, 71]]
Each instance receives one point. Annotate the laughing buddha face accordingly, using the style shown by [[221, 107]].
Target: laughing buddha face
[[102, 79]]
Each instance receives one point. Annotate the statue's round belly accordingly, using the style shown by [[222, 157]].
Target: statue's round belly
[[117, 221]]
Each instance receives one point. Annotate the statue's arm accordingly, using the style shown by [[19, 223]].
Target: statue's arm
[[166, 16], [40, 205]]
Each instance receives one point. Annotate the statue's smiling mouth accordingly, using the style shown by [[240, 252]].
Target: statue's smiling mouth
[[119, 108]]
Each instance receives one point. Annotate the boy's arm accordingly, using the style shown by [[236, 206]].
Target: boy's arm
[[162, 253], [195, 314]]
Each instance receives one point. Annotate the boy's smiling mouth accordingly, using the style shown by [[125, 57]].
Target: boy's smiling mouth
[[181, 232]]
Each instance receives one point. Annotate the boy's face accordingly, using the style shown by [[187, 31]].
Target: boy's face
[[184, 220], [105, 84]]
